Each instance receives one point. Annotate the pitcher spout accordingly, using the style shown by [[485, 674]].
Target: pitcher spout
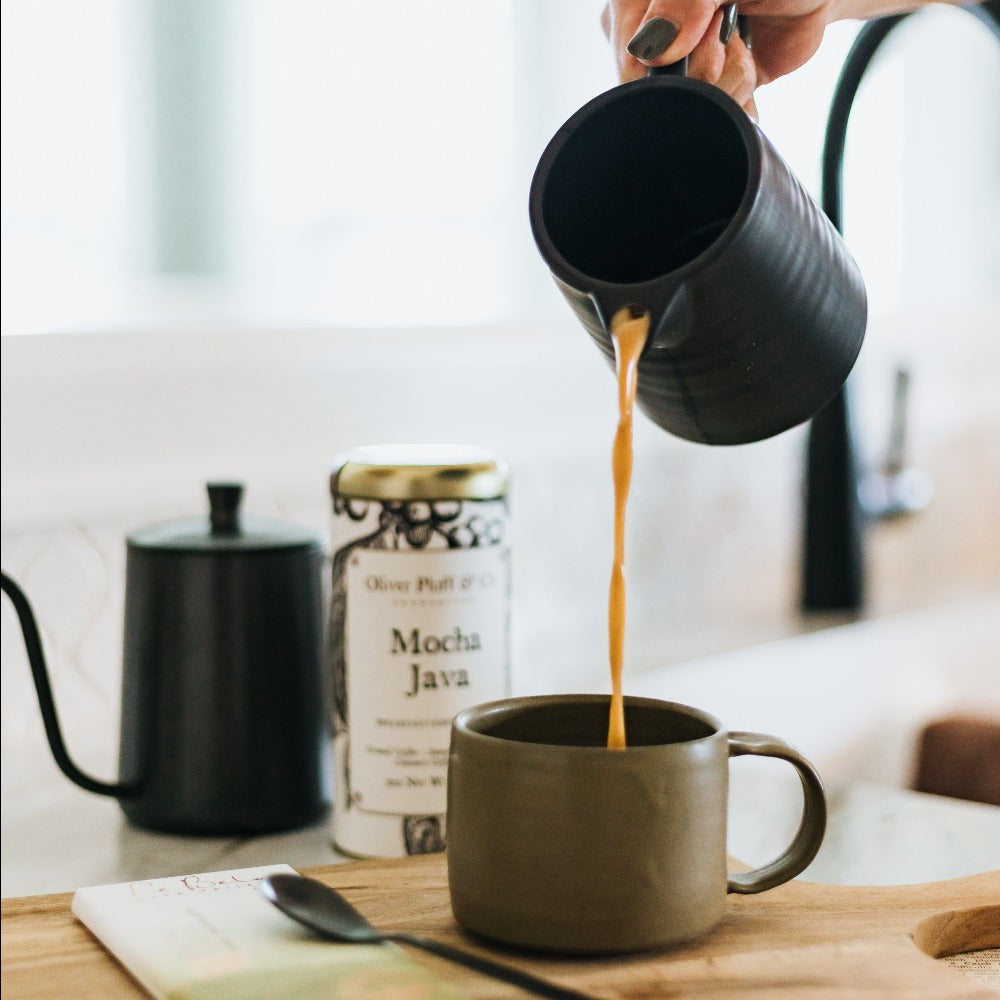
[[675, 321], [670, 312]]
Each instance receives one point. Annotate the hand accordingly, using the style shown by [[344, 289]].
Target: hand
[[784, 33]]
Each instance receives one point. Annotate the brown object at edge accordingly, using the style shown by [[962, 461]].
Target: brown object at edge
[[959, 757], [800, 940]]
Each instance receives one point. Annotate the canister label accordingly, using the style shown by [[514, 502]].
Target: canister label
[[424, 633], [419, 630]]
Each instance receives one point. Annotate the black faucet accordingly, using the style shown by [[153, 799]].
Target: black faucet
[[833, 564]]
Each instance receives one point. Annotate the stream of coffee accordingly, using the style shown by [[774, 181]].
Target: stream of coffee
[[629, 330]]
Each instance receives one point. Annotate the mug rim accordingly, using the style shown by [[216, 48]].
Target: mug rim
[[582, 281], [461, 723]]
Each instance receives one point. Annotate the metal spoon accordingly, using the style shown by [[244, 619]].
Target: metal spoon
[[325, 911]]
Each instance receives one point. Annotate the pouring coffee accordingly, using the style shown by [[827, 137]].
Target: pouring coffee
[[223, 722], [661, 195]]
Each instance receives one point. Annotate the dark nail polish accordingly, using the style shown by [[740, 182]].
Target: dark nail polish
[[652, 39], [729, 14]]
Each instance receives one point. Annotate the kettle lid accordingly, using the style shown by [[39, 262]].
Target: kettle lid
[[225, 530]]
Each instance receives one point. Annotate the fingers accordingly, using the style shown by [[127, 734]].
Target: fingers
[[783, 44], [730, 67], [738, 76], [622, 20], [656, 33], [708, 57], [681, 24], [646, 33]]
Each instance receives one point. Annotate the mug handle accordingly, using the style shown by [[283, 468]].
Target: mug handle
[[679, 68], [807, 840]]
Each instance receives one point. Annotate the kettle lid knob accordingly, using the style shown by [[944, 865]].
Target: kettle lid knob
[[224, 503]]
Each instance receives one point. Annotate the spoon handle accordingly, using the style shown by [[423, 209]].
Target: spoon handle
[[505, 973]]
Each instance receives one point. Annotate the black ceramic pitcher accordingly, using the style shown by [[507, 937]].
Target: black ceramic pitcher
[[662, 194], [223, 721]]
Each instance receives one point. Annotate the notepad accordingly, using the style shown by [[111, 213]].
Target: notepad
[[213, 936]]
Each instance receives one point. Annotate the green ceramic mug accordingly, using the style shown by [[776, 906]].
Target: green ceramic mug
[[558, 844]]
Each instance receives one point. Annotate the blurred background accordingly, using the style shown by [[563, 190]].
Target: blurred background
[[243, 236], [303, 163]]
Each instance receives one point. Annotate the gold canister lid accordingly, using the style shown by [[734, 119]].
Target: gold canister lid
[[420, 472]]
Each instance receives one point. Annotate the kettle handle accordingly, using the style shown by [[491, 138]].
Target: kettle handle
[[39, 673]]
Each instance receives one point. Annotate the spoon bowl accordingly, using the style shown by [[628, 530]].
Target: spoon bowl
[[322, 909]]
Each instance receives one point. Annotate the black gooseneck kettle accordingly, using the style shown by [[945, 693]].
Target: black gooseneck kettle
[[223, 707], [662, 195]]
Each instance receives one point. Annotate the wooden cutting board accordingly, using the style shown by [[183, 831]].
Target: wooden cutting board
[[799, 940]]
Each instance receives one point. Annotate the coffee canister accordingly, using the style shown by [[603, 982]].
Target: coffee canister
[[418, 630]]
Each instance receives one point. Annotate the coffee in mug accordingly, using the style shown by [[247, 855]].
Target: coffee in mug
[[557, 844]]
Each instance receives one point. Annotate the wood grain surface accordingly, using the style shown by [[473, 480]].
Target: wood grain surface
[[799, 940]]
